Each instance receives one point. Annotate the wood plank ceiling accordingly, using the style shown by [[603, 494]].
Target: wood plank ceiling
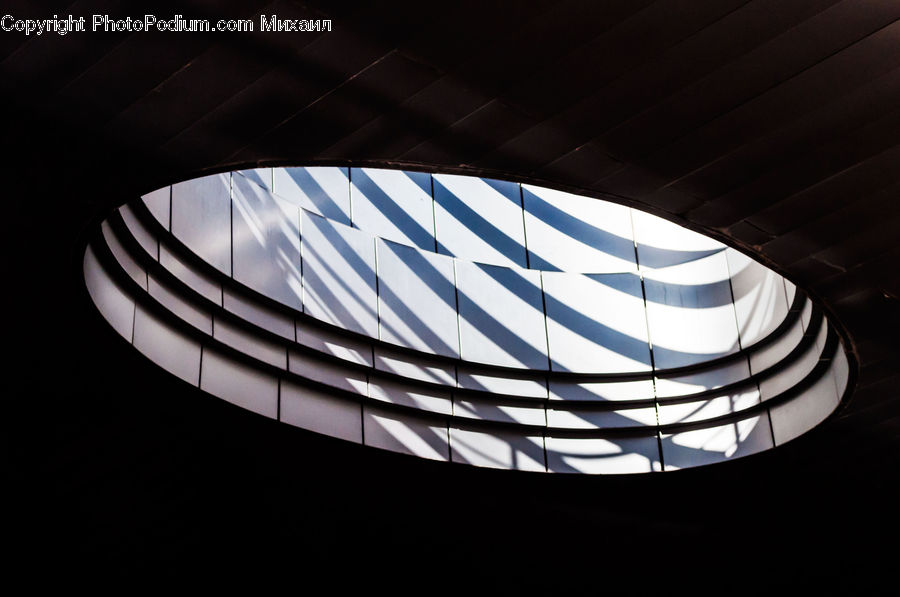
[[773, 125]]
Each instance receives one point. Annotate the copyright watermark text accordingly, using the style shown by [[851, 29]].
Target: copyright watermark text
[[177, 23]]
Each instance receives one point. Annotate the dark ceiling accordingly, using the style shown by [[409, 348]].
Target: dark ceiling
[[771, 124]]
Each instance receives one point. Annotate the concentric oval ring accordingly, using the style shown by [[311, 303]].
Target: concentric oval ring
[[466, 319]]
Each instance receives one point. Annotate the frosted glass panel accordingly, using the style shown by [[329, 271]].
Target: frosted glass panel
[[567, 232], [478, 219], [183, 309], [417, 299], [268, 319], [404, 434], [759, 298], [841, 368], [623, 390], [166, 346], [596, 323], [497, 449], [661, 243], [501, 316], [238, 383], [795, 372], [201, 218], [511, 385], [690, 313], [115, 306], [321, 190], [339, 275], [198, 282], [703, 380], [599, 456], [715, 444], [415, 367], [602, 419], [143, 236], [806, 314], [488, 410], [126, 262], [333, 343], [261, 177], [774, 352], [394, 205], [266, 239], [321, 412], [158, 202], [688, 412], [790, 291], [804, 412], [249, 343], [328, 373], [396, 392]]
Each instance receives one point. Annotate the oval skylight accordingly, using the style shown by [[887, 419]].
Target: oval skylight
[[465, 319]]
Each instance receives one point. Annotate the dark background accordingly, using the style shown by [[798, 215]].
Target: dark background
[[773, 126]]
